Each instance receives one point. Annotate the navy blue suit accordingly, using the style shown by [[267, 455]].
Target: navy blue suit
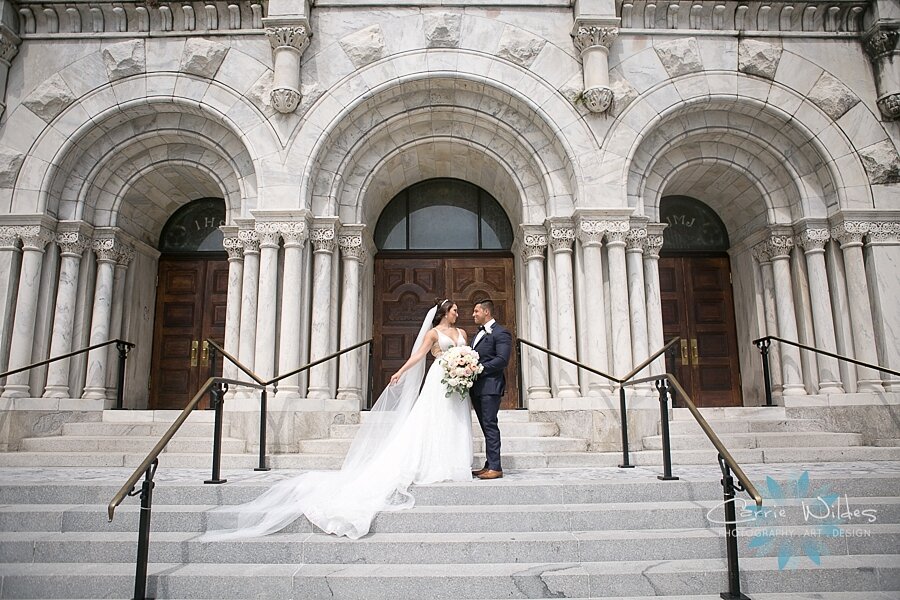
[[494, 350]]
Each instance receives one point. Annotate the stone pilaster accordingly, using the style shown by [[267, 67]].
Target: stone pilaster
[[249, 239], [637, 300], [619, 312], [288, 41], [762, 255], [235, 249], [593, 40], [353, 256], [652, 245], [534, 246]]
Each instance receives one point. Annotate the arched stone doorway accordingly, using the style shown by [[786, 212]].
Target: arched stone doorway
[[697, 302], [440, 238], [191, 298]]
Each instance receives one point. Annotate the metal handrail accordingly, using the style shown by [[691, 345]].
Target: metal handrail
[[167, 436], [319, 361], [763, 344], [241, 366], [644, 364], [121, 345], [568, 360]]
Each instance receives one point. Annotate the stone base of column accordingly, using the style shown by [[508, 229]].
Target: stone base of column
[[288, 392], [349, 394], [863, 385], [56, 391], [539, 392], [96, 393], [831, 387], [569, 391], [793, 389], [14, 390], [318, 393]]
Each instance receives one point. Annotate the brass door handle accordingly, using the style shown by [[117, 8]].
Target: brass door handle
[[204, 355], [194, 346], [695, 355], [684, 352]]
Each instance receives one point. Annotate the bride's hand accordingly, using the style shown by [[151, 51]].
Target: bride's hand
[[395, 377]]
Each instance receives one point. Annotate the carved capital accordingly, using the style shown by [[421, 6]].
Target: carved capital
[[652, 245], [761, 253], [126, 255], [881, 42], [889, 105], [812, 239], [322, 238], [296, 38], [587, 36], [34, 237], [9, 238], [590, 233], [351, 245], [535, 243], [562, 236], [884, 232], [293, 232], [9, 44], [233, 246], [269, 234], [635, 239], [107, 249], [285, 100], [249, 240], [780, 246], [850, 233], [597, 99], [72, 243]]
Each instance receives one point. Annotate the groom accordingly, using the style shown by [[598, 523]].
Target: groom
[[494, 345]]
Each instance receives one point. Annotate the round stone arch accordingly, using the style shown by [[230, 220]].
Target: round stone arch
[[826, 167], [102, 122], [541, 127]]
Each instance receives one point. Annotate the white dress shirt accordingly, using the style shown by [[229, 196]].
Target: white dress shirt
[[487, 329]]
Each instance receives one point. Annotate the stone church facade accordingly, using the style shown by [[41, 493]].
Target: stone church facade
[[616, 138]]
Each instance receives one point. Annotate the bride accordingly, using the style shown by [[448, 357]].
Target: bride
[[408, 437]]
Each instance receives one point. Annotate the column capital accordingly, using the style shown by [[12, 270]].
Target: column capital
[[295, 37], [107, 246], [34, 237], [322, 235], [126, 255], [779, 245], [589, 34], [884, 232], [9, 238], [268, 232], [534, 242], [351, 240], [635, 239], [850, 233], [232, 243], [590, 231], [562, 235], [72, 243], [9, 45], [880, 42], [762, 253], [294, 233], [812, 239], [249, 240]]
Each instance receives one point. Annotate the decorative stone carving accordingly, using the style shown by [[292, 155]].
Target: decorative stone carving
[[249, 240], [635, 239], [535, 243], [50, 98], [233, 246], [590, 233], [758, 58], [519, 46], [813, 239], [9, 239], [562, 236], [761, 252], [293, 232], [10, 163], [881, 43], [126, 255], [9, 44], [351, 245], [269, 234], [587, 36], [680, 56], [107, 249], [780, 246], [442, 30], [288, 37], [72, 243], [889, 105], [881, 162], [364, 46], [202, 57], [850, 232], [34, 237], [598, 99], [653, 243], [832, 96], [322, 239], [884, 232], [124, 59], [285, 100]]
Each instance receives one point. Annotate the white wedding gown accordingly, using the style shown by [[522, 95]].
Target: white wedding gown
[[428, 442]]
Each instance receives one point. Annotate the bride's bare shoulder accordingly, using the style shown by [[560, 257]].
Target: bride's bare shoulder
[[461, 332]]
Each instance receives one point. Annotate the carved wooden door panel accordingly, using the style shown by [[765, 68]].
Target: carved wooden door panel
[[405, 289], [697, 305], [190, 307]]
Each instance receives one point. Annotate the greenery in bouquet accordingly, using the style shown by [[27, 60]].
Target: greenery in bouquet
[[460, 368]]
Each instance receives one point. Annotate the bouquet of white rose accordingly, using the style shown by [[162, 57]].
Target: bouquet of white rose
[[460, 365]]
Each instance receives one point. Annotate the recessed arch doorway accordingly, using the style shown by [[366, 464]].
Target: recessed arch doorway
[[440, 238]]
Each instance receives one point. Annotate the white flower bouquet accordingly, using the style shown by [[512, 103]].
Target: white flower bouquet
[[460, 365]]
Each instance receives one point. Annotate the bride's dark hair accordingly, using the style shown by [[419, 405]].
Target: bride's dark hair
[[443, 306]]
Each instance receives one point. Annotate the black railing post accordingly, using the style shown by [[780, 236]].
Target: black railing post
[[520, 378], [143, 550], [625, 464], [212, 361], [218, 401], [371, 375], [263, 403], [763, 346], [662, 386], [122, 347], [731, 546]]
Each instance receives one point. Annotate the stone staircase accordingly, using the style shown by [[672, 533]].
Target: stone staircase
[[590, 533], [753, 435]]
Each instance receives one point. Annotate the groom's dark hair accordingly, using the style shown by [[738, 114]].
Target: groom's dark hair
[[486, 304]]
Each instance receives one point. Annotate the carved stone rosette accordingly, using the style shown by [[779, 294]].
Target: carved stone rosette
[[288, 44]]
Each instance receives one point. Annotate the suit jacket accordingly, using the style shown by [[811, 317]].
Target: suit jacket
[[494, 350]]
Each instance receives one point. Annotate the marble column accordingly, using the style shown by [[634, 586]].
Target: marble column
[[619, 312], [813, 243], [652, 245], [883, 271], [593, 40], [780, 252], [352, 258], [562, 237], [323, 243], [72, 246], [107, 248], [535, 243], [288, 44], [590, 235], [294, 235], [10, 256], [249, 288], [235, 250], [637, 301], [762, 254], [850, 235], [267, 298], [34, 239], [115, 322]]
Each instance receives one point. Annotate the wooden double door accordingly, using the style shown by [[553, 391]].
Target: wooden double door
[[698, 306], [191, 299], [405, 288]]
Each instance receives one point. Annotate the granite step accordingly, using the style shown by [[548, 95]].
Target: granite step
[[132, 444], [511, 445], [458, 581], [742, 413], [106, 429], [507, 429], [723, 426], [734, 441]]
